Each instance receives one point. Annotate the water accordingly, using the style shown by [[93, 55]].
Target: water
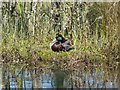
[[58, 78]]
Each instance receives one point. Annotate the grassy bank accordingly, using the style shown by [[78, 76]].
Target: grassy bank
[[36, 51]]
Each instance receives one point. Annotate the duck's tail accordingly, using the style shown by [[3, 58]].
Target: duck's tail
[[70, 49]]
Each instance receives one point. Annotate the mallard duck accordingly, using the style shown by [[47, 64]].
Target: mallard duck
[[60, 43]]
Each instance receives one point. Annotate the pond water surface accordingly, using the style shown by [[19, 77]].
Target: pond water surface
[[60, 78]]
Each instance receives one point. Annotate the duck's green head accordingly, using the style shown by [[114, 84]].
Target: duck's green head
[[59, 37]]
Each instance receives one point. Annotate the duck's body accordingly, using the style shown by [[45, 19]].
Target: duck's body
[[60, 44]]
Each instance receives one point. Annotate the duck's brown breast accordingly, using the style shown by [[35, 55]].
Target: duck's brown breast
[[57, 47]]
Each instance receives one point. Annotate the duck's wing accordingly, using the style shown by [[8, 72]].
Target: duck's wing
[[66, 45]]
